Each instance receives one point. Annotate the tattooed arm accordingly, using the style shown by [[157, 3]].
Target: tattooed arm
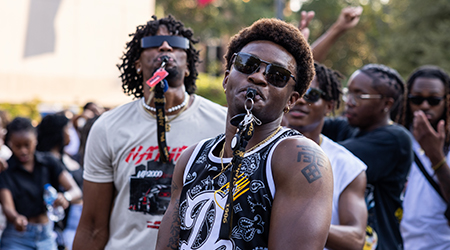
[[301, 212], [169, 231]]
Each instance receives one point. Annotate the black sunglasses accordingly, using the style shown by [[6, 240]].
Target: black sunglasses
[[313, 95], [275, 75], [432, 100], [156, 41]]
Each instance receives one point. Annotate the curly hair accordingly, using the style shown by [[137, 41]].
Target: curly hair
[[131, 80], [384, 76], [286, 35], [433, 72], [19, 124], [330, 83], [51, 132]]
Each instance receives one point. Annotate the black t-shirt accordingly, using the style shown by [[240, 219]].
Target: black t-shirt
[[387, 152], [27, 188]]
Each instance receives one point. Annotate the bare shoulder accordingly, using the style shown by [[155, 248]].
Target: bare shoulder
[[302, 160]]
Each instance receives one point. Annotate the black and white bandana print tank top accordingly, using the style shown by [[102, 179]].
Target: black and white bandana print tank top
[[205, 193]]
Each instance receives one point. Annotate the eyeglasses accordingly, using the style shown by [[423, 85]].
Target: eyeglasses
[[355, 99], [156, 41], [313, 95], [432, 100], [275, 75]]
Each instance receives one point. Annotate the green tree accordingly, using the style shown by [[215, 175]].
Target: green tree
[[420, 35]]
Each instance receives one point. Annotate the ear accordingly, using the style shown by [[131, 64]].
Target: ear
[[329, 107], [388, 103], [137, 64], [225, 79], [187, 72], [292, 100]]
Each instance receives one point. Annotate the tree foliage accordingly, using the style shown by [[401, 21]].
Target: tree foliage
[[402, 34]]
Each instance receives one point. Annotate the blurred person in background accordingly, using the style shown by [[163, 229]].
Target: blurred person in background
[[426, 115], [53, 136], [131, 151], [349, 216], [5, 154], [385, 147], [22, 189]]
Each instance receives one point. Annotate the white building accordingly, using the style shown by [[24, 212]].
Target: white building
[[64, 52]]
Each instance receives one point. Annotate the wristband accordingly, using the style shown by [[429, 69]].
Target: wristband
[[67, 196], [437, 166]]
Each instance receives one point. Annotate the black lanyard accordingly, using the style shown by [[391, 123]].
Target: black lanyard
[[241, 138], [161, 123]]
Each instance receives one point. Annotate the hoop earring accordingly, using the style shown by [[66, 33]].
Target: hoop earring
[[286, 110]]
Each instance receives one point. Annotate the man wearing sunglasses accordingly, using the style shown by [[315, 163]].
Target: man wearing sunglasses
[[385, 147], [424, 225], [131, 151], [349, 217], [282, 194]]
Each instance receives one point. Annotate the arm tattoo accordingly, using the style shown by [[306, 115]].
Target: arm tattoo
[[175, 227], [315, 159]]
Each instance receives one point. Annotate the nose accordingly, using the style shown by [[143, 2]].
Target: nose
[[424, 105], [259, 76], [165, 46]]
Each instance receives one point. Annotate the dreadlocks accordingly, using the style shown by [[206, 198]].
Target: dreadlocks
[[384, 76], [433, 72], [330, 83], [131, 80]]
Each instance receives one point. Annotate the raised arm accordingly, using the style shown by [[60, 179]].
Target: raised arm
[[350, 234], [301, 212], [305, 19], [432, 142], [93, 230], [348, 19], [169, 231]]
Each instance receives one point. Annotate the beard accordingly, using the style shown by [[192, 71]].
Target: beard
[[173, 73]]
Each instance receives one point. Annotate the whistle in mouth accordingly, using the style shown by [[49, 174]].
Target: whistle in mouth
[[251, 93]]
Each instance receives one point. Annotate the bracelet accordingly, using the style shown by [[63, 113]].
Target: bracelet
[[68, 196], [437, 166]]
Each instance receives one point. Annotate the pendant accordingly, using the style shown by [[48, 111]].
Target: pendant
[[167, 127]]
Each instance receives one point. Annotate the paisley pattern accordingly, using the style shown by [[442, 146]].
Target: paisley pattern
[[203, 200]]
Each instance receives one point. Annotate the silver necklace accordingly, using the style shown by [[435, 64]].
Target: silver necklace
[[170, 110]]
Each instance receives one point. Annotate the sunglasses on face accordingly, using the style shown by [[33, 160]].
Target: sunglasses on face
[[313, 95], [418, 100], [156, 41], [275, 75]]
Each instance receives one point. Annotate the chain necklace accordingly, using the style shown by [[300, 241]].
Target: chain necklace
[[247, 151], [170, 110], [171, 119]]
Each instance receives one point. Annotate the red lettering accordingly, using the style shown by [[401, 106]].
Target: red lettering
[[132, 154], [152, 153], [180, 150]]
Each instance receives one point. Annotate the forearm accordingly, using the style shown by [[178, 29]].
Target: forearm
[[90, 237], [345, 237], [323, 44], [443, 175]]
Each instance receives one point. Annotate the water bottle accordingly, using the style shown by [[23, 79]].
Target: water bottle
[[50, 194]]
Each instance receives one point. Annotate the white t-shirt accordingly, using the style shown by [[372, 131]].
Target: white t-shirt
[[346, 167], [423, 225], [122, 143]]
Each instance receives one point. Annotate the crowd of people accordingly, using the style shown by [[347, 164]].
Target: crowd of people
[[279, 168]]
